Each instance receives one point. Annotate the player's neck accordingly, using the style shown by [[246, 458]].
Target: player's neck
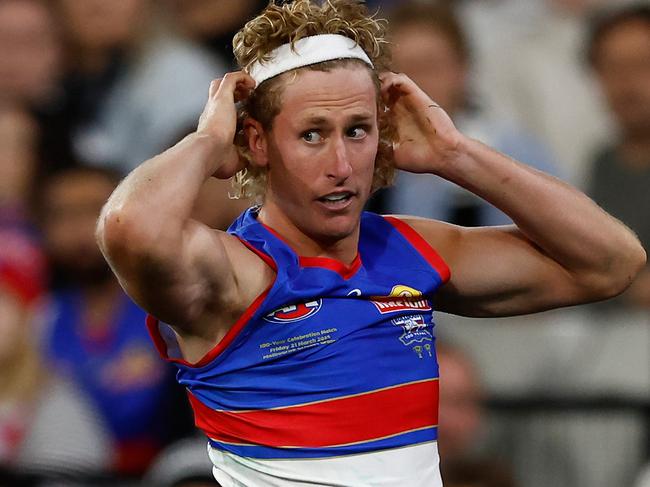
[[343, 249]]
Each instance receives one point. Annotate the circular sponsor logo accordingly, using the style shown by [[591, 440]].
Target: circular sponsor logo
[[294, 312], [405, 291]]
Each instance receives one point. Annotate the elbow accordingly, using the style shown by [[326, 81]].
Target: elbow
[[122, 236], [623, 268], [131, 239], [111, 231], [101, 234], [638, 259], [632, 261]]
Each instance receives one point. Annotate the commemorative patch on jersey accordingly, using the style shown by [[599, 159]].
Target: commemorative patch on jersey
[[401, 298], [294, 312], [414, 329]]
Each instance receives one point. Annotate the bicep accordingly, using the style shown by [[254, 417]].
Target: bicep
[[497, 271]]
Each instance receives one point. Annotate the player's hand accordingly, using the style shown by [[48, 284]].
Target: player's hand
[[426, 136], [219, 119]]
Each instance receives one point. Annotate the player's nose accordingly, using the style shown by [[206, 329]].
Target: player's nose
[[340, 167]]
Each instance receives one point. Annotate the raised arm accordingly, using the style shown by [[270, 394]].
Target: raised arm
[[175, 267], [563, 250]]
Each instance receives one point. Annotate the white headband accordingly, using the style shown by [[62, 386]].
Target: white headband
[[307, 51]]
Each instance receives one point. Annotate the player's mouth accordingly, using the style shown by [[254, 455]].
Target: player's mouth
[[337, 200]]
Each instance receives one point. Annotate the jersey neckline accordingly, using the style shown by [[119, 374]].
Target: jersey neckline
[[346, 271]]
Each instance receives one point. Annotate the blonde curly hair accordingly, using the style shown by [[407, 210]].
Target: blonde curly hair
[[286, 23]]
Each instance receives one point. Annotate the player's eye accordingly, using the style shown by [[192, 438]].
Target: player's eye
[[356, 132], [311, 136]]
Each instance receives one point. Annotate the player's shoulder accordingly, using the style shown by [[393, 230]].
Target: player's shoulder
[[438, 234], [251, 269]]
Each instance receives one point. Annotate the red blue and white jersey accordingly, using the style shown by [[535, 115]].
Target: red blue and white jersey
[[331, 360]]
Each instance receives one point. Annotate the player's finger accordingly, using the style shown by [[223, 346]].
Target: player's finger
[[394, 81], [231, 80], [387, 80], [214, 86], [249, 81], [391, 91], [243, 90]]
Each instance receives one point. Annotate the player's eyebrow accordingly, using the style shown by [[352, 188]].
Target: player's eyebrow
[[361, 118], [316, 121], [319, 121]]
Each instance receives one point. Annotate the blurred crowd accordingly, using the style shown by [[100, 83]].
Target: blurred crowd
[[91, 88]]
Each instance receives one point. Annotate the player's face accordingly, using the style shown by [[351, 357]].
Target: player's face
[[321, 152], [623, 66]]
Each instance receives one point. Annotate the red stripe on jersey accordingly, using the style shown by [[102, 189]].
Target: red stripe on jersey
[[422, 246], [354, 419], [161, 346], [265, 257], [345, 271]]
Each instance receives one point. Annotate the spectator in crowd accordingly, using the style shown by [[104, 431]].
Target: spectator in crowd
[[213, 23], [97, 335], [108, 59], [30, 52], [466, 458], [18, 160], [544, 84], [47, 428], [619, 51], [132, 89], [182, 464], [477, 474], [31, 73], [460, 434], [430, 47]]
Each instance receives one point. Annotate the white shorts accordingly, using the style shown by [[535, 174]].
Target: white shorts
[[413, 466]]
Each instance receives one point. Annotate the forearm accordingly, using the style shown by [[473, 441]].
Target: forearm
[[155, 200], [558, 218]]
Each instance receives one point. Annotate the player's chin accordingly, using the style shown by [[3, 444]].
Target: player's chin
[[337, 227], [338, 219]]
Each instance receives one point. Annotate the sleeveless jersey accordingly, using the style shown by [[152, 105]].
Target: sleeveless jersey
[[330, 362]]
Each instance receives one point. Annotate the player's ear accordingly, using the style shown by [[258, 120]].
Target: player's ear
[[257, 142]]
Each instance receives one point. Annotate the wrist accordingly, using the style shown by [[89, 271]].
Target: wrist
[[455, 156]]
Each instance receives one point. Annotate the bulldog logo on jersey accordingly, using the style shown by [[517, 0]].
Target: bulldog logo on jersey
[[294, 312], [401, 298]]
